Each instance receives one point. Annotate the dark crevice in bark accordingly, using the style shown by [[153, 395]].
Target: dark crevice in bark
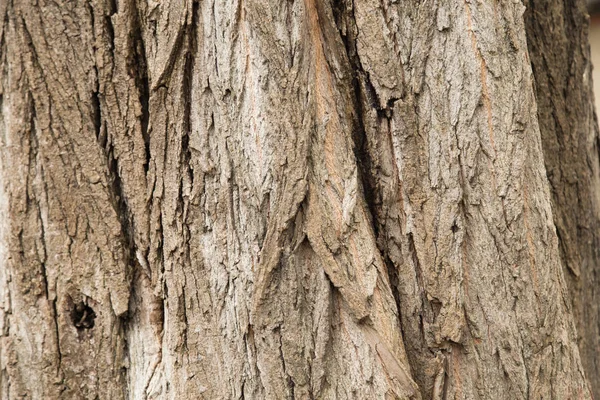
[[364, 161], [43, 262], [419, 273], [97, 111], [595, 122], [113, 7], [251, 349], [57, 333], [93, 25], [110, 30], [187, 90], [359, 135], [124, 324], [120, 205], [95, 97], [3, 27], [242, 397], [394, 283], [137, 66], [184, 319]]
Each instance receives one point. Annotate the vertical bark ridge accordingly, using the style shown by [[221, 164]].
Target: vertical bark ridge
[[561, 64]]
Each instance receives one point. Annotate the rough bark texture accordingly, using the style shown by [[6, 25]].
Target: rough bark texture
[[263, 199], [562, 69]]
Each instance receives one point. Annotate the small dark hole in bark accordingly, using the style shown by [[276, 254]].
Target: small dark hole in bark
[[454, 228], [83, 316]]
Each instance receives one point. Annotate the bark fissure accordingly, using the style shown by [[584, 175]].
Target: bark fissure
[[120, 203], [138, 69]]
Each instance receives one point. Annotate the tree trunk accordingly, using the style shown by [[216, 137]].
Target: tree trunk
[[301, 199], [562, 69]]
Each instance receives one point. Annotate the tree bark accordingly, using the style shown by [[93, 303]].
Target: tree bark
[[562, 68], [302, 199]]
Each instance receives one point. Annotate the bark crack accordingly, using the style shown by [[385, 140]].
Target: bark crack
[[138, 67]]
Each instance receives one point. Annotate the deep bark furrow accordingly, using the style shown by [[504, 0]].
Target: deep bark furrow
[[139, 71]]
